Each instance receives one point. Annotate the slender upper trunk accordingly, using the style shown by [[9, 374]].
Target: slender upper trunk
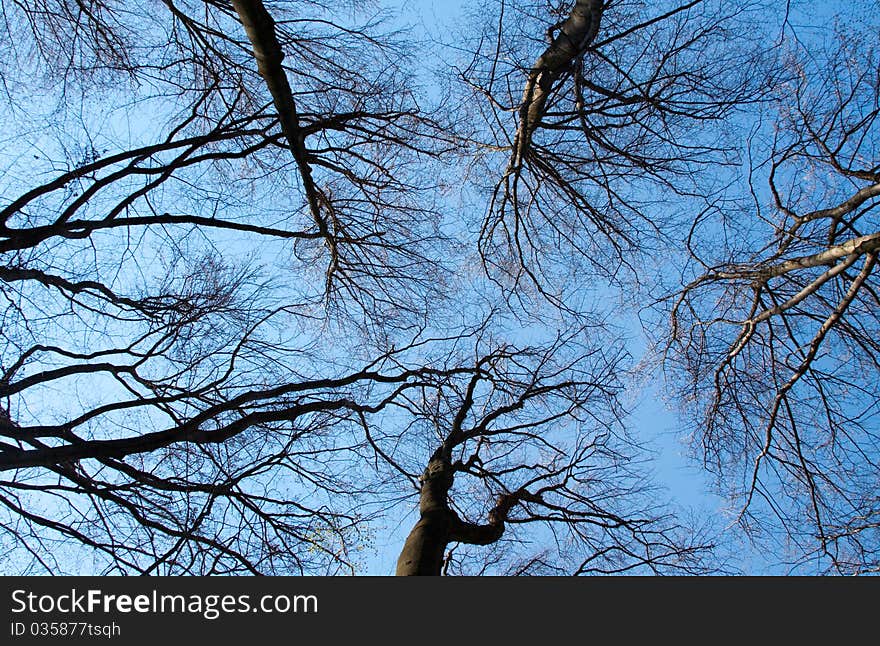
[[260, 29], [425, 546]]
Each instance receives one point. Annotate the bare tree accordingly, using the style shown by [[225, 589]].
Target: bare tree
[[150, 326], [594, 133], [530, 441], [776, 335]]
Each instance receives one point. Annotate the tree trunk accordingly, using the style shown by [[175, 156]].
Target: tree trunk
[[574, 36], [422, 553], [438, 525]]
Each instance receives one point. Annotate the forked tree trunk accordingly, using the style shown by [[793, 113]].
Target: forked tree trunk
[[574, 36], [438, 525]]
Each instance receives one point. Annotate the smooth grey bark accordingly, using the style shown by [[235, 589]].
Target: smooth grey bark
[[574, 36]]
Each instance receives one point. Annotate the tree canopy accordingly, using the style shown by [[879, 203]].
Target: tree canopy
[[279, 277]]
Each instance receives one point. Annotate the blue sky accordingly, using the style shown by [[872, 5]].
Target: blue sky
[[651, 421], [652, 418]]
